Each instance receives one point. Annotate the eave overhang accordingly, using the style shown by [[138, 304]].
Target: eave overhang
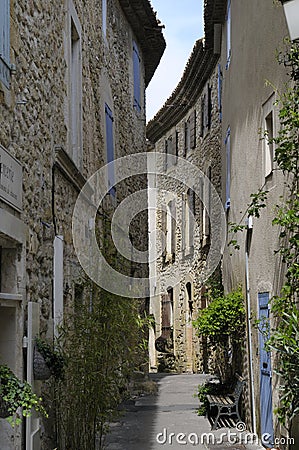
[[148, 32]]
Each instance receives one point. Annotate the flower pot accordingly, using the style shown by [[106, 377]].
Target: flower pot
[[40, 369], [4, 413]]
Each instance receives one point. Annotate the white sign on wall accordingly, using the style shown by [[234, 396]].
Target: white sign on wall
[[10, 179]]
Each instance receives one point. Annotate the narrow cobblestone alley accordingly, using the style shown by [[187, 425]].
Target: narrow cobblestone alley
[[155, 422]]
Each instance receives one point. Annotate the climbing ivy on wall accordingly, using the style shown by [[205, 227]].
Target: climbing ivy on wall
[[223, 323], [284, 341]]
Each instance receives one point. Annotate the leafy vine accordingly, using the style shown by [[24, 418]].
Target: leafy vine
[[284, 340]]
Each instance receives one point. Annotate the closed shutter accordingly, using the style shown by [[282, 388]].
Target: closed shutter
[[209, 107], [219, 92], [136, 69], [183, 222], [228, 174], [5, 42], [193, 129], [166, 155], [207, 221], [202, 117], [186, 139], [191, 205], [173, 228], [176, 146], [166, 316], [110, 148], [164, 230]]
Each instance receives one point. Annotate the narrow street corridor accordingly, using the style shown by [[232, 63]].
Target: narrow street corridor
[[169, 420]]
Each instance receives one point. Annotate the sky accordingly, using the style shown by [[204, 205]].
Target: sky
[[183, 22]]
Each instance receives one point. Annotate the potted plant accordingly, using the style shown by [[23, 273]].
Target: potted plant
[[47, 361], [16, 394]]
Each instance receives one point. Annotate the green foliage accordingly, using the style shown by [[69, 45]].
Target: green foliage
[[102, 342], [224, 317], [202, 392], [18, 394], [258, 202], [284, 340], [53, 358]]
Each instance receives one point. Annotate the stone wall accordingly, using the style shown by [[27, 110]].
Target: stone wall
[[187, 266], [35, 116]]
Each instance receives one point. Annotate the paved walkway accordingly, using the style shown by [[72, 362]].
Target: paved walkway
[[169, 421]]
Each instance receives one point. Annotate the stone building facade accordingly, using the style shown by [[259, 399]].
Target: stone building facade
[[250, 110], [72, 81], [187, 128], [247, 36]]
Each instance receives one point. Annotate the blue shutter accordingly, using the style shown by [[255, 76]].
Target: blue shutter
[[136, 69], [228, 158], [110, 148], [228, 34], [5, 42], [266, 413], [104, 16], [220, 92]]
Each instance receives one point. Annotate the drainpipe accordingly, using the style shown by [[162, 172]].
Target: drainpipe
[[248, 239]]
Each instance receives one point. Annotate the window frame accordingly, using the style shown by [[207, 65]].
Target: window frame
[[5, 66], [228, 169], [228, 35], [268, 110], [109, 119]]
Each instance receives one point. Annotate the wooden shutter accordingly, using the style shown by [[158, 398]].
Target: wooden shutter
[[183, 222], [186, 139], [166, 315], [166, 155], [136, 70], [110, 148], [164, 229], [193, 129], [176, 146], [219, 92], [5, 42], [191, 204], [173, 228], [228, 158], [208, 193], [209, 107], [202, 122]]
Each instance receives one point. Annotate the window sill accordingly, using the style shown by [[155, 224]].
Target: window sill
[[69, 169]]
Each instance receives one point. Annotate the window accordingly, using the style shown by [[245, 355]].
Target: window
[[219, 92], [171, 150], [169, 229], [188, 221], [104, 17], [207, 204], [5, 43], [190, 133], [228, 34], [190, 301], [193, 130], [269, 131], [110, 149], [228, 173], [187, 137], [167, 314], [206, 111], [136, 72], [75, 66]]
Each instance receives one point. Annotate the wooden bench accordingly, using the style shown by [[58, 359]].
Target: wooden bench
[[228, 404]]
